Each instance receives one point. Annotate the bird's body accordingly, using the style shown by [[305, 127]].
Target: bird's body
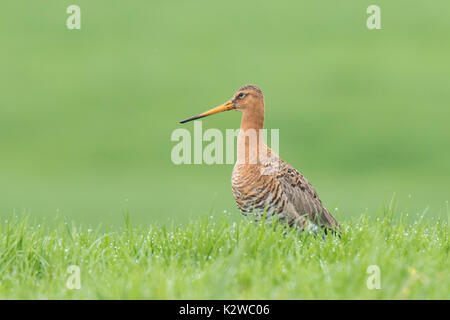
[[262, 183], [286, 195]]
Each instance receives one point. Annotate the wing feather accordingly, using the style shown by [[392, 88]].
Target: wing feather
[[303, 197]]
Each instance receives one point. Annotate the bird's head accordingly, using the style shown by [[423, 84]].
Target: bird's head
[[248, 99]]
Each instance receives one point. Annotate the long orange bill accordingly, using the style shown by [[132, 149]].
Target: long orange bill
[[229, 105]]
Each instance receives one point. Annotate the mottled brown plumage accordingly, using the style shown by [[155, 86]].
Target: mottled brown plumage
[[262, 183]]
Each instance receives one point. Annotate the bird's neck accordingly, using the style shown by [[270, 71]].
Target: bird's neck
[[250, 143], [252, 120]]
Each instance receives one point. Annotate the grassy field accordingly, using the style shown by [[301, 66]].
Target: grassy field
[[86, 118], [221, 258]]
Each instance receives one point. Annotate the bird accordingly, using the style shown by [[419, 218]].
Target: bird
[[264, 186]]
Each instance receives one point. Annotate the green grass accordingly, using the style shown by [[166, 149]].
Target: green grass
[[222, 258]]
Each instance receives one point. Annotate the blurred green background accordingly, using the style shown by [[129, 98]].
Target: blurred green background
[[86, 115]]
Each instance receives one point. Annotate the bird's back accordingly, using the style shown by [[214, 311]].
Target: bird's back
[[276, 188]]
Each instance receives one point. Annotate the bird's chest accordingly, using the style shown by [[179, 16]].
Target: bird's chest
[[255, 192]]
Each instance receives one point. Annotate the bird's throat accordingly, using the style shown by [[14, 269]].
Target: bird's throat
[[250, 143]]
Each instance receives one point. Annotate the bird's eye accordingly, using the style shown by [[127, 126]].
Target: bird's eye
[[241, 95]]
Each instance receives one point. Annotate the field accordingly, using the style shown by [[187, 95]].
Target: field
[[86, 118], [223, 259]]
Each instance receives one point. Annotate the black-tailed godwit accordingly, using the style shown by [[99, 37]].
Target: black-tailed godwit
[[262, 183]]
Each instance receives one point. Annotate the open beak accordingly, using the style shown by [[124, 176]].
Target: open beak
[[229, 105]]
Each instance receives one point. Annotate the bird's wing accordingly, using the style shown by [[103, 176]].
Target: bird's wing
[[303, 197]]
